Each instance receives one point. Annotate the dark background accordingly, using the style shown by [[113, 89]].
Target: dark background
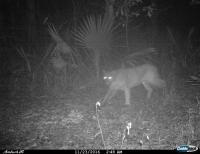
[[47, 101]]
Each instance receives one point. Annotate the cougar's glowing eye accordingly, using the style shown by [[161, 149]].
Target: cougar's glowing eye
[[110, 77], [105, 77]]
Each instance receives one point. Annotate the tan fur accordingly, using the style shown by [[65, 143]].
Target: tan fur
[[125, 79]]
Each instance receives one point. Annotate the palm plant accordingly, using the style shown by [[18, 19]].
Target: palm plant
[[95, 34]]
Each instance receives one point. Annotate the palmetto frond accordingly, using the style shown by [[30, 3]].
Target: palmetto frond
[[95, 33], [61, 45]]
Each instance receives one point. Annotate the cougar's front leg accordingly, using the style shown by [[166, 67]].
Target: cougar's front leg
[[110, 94], [149, 89]]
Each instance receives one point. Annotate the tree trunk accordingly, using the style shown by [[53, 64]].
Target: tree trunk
[[31, 22], [97, 63], [109, 13]]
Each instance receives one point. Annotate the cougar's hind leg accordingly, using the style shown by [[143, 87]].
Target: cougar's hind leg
[[127, 96]]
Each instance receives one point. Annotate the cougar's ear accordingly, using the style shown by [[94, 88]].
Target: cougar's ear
[[104, 72]]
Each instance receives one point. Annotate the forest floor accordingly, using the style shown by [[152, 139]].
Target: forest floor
[[75, 121]]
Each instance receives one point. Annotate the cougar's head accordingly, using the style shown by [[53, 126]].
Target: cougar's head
[[107, 77]]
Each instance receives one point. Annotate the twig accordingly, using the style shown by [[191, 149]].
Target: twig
[[98, 105]]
